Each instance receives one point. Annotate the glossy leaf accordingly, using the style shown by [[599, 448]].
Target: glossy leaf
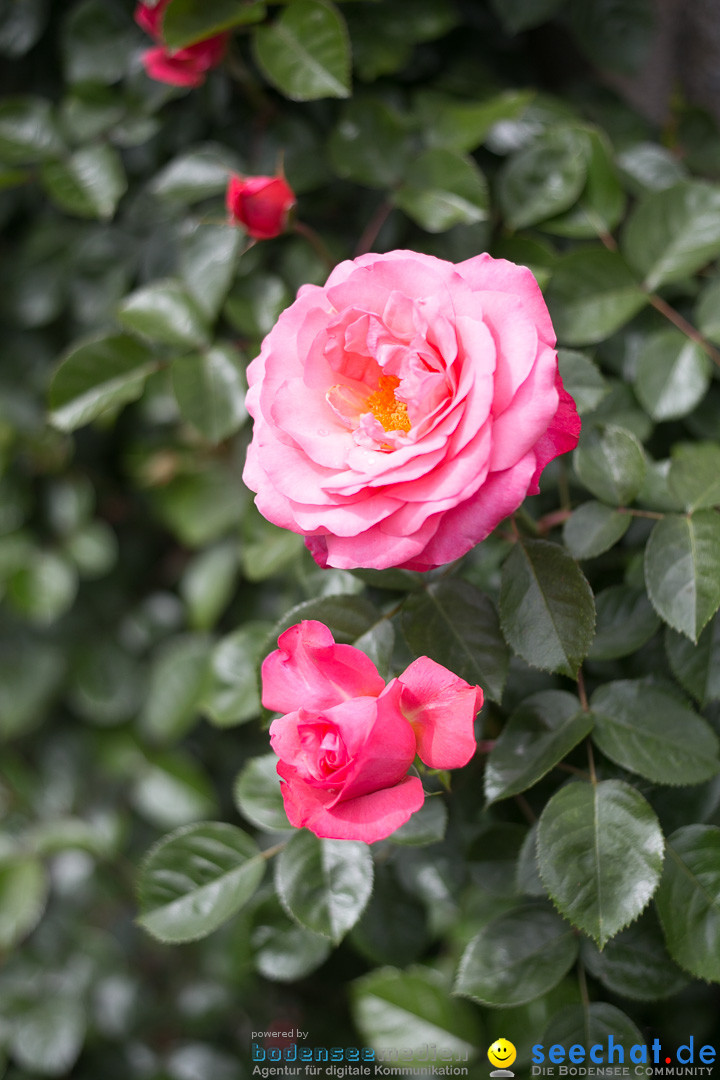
[[673, 232], [688, 900], [282, 951], [517, 15], [538, 735], [694, 475], [306, 52], [600, 852], [455, 624], [98, 377], [89, 183], [591, 294], [412, 1009], [545, 177], [645, 730], [193, 880], [588, 1025], [210, 391], [164, 312], [23, 894], [233, 692], [697, 666], [593, 529], [370, 144], [625, 621], [635, 964], [517, 957], [28, 131], [208, 584], [188, 21], [672, 375], [178, 681], [257, 794], [49, 1036], [324, 885], [461, 125], [443, 189], [547, 611], [600, 206], [611, 464], [682, 570], [615, 34], [207, 264], [582, 379]]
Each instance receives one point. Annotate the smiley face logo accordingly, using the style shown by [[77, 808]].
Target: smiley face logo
[[502, 1053]]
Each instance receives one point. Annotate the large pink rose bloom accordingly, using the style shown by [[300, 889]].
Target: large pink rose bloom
[[347, 740], [405, 408]]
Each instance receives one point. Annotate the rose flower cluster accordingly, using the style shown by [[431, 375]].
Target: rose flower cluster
[[346, 740], [405, 408], [179, 67]]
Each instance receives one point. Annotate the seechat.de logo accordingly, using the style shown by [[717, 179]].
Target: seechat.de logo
[[501, 1054]]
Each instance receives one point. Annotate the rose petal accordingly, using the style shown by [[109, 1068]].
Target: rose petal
[[441, 709]]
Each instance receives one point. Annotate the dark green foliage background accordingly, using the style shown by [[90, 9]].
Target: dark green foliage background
[[567, 882]]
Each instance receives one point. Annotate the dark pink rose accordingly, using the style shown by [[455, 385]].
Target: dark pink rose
[[347, 741], [405, 408], [179, 67], [261, 204]]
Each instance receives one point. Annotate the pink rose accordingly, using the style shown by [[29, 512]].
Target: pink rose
[[261, 204], [347, 740], [179, 67], [405, 408]]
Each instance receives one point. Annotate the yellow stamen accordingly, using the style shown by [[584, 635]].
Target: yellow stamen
[[386, 408]]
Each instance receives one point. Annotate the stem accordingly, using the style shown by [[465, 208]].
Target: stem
[[526, 809], [654, 514], [485, 746], [591, 763], [564, 767], [582, 985], [373, 227], [316, 243], [682, 324], [549, 521], [581, 691], [269, 852]]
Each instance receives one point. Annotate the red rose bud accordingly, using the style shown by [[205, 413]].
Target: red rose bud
[[180, 67], [261, 204]]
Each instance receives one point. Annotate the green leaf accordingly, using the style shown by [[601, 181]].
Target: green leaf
[[172, 790], [625, 621], [602, 201], [443, 189], [257, 794], [208, 583], [97, 43], [283, 951], [30, 674], [547, 611], [646, 166], [178, 681], [673, 233], [202, 506], [611, 464], [456, 625], [23, 894], [195, 879], [694, 476], [457, 124], [108, 684], [707, 308], [90, 183], [210, 391], [197, 174], [233, 694], [28, 131], [348, 617], [412, 1009], [589, 1024], [517, 957], [266, 549], [697, 666], [324, 885], [208, 257], [682, 570], [97, 377], [49, 1035], [635, 964], [672, 375], [305, 53], [21, 25], [394, 927], [44, 587], [517, 15], [591, 294], [688, 900], [538, 735], [593, 529], [615, 34], [426, 826], [544, 178], [370, 144], [188, 21], [164, 312], [600, 852], [642, 728], [255, 303], [582, 379]]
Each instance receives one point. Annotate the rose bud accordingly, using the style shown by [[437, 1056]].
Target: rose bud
[[261, 204]]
